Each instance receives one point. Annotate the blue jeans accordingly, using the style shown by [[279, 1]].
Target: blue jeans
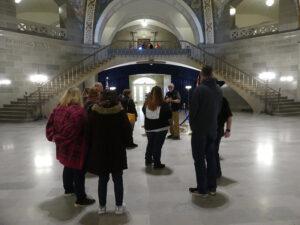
[[74, 181], [203, 149], [118, 187], [154, 146]]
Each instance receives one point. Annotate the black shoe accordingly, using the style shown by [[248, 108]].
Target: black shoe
[[170, 136], [84, 202], [194, 191], [132, 146], [159, 166]]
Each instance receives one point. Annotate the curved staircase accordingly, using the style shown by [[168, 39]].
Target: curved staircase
[[256, 92]]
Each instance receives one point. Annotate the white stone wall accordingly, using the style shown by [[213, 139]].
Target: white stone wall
[[21, 55], [278, 53]]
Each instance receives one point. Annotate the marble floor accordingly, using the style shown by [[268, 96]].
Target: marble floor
[[261, 183]]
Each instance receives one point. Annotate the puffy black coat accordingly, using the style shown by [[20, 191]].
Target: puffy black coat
[[109, 133]]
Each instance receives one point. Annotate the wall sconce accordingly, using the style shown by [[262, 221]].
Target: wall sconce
[[267, 76], [188, 87], [38, 78], [286, 78], [232, 11], [5, 82]]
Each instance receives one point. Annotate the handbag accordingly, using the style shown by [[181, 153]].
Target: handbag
[[131, 117]]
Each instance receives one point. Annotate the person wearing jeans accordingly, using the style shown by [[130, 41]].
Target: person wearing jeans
[[109, 133], [74, 182], [66, 127], [157, 121], [117, 178], [154, 146], [204, 110]]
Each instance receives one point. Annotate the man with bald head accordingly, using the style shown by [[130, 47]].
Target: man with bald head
[[174, 99], [99, 87]]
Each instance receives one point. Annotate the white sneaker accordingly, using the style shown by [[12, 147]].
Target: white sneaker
[[120, 209], [102, 210]]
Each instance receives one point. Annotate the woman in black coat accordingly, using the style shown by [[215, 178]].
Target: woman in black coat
[[109, 132], [129, 106]]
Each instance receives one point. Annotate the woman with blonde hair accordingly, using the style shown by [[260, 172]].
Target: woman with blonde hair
[[66, 127], [157, 121]]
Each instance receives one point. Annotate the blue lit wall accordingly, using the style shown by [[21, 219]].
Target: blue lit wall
[[181, 76]]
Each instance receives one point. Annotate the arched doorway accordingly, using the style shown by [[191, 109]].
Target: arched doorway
[[141, 86]]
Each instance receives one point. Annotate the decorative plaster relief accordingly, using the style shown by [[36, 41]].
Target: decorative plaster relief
[[209, 21], [89, 21]]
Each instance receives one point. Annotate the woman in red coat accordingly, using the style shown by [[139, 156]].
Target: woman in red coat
[[66, 127]]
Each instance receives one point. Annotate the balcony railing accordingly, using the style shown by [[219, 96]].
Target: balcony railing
[[253, 31], [41, 29]]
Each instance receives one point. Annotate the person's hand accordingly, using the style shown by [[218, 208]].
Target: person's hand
[[227, 134]]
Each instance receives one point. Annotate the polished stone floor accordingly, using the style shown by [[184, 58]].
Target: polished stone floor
[[261, 183]]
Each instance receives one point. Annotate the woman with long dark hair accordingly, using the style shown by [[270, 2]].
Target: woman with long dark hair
[[157, 122]]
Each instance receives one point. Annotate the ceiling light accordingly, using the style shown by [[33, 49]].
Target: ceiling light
[[286, 78], [5, 82], [269, 3], [38, 78], [232, 11], [18, 1], [144, 23], [266, 76]]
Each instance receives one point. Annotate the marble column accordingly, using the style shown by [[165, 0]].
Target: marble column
[[89, 22]]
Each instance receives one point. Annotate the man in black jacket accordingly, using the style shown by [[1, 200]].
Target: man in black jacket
[[174, 99], [204, 110]]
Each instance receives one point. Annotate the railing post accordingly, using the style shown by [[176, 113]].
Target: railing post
[[266, 97], [40, 103], [26, 105], [278, 100]]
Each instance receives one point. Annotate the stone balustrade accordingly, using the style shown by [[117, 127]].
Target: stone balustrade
[[42, 29], [253, 31]]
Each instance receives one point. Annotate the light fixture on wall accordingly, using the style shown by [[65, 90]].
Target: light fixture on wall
[[269, 3], [5, 82], [17, 1], [286, 78], [232, 11], [267, 76], [38, 78], [112, 88], [188, 87], [144, 23]]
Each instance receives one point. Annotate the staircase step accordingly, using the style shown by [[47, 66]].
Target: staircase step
[[296, 113], [10, 116]]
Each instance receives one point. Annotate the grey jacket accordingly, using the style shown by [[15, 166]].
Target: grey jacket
[[205, 107]]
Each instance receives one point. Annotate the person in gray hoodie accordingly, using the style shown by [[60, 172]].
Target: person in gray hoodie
[[205, 107]]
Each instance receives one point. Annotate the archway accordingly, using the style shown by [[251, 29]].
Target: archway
[[177, 16]]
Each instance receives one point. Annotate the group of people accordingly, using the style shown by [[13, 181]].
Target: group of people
[[92, 135]]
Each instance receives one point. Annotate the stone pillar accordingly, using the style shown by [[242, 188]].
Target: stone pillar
[[8, 14], [89, 22], [209, 21]]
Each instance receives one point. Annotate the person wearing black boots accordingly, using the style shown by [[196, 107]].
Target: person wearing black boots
[[157, 122]]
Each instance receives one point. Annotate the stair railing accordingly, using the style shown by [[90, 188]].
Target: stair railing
[[233, 74], [228, 71]]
